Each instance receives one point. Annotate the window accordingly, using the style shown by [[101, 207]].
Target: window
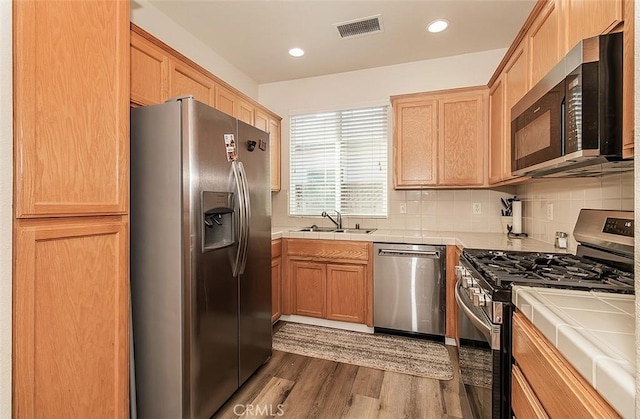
[[338, 161]]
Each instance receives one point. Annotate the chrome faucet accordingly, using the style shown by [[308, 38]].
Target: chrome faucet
[[337, 222]]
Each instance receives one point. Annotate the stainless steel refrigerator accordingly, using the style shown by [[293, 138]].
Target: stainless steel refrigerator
[[200, 257]]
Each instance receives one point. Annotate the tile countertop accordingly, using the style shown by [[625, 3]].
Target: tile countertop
[[595, 333], [493, 241]]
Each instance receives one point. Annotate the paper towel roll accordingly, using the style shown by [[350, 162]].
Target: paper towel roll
[[516, 207]]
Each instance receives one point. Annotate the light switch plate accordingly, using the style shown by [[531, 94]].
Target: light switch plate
[[403, 208], [550, 212], [477, 208]]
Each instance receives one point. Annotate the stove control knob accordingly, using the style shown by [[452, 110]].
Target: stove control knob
[[469, 282], [460, 271], [472, 291], [479, 299]]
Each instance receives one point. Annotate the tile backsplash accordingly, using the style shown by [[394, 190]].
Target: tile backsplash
[[567, 197], [433, 210]]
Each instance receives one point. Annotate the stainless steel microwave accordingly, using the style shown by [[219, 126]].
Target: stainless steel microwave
[[570, 122]]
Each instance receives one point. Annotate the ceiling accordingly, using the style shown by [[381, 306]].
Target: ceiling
[[256, 36]]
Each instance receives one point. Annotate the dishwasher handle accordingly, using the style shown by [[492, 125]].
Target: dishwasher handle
[[410, 253]]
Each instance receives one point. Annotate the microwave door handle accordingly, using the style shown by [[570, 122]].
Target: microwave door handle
[[563, 126]]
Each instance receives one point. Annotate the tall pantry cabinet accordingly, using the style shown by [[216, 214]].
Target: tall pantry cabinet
[[71, 204]]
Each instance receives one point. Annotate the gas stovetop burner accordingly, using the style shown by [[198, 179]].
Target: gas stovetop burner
[[549, 269]]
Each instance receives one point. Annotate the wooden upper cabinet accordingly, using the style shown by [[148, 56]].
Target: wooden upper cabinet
[[346, 291], [245, 112], [415, 142], [149, 72], [462, 139], [497, 140], [71, 107], [274, 142], [545, 43], [440, 138], [261, 120], [516, 85], [185, 80], [226, 101], [71, 317], [587, 18]]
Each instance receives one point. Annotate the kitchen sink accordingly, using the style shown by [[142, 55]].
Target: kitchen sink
[[338, 230]]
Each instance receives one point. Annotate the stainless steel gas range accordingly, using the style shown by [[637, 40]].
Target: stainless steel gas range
[[603, 262]]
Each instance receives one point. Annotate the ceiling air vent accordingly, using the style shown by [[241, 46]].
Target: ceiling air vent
[[359, 27]]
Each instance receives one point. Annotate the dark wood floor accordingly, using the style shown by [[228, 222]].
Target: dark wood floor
[[296, 386]]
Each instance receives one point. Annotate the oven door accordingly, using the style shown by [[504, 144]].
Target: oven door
[[537, 133], [484, 361]]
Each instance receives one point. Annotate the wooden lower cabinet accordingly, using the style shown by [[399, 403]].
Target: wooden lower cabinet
[[451, 314], [524, 402], [558, 388], [309, 288], [276, 279], [346, 293], [329, 279], [71, 318]]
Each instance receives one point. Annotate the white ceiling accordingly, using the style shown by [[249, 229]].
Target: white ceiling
[[256, 36]]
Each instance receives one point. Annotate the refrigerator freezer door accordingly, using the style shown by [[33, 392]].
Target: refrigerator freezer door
[[212, 290], [255, 282], [157, 261]]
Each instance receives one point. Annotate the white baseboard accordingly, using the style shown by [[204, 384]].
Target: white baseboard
[[356, 327]]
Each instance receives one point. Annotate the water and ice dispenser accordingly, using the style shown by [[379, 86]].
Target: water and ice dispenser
[[217, 212]]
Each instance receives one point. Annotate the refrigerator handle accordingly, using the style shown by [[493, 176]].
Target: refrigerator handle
[[247, 210], [241, 218]]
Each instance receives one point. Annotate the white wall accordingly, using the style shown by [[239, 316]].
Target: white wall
[[567, 197], [429, 210], [6, 216], [162, 27]]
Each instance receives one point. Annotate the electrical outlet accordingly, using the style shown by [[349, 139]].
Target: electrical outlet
[[550, 212], [477, 208], [403, 208]]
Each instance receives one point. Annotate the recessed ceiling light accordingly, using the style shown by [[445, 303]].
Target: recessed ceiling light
[[438, 25], [296, 52]]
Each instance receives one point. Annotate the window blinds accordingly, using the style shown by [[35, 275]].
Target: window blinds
[[338, 161]]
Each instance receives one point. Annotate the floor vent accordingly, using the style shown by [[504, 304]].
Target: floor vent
[[359, 27]]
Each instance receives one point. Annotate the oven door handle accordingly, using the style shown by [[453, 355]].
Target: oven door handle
[[490, 331]]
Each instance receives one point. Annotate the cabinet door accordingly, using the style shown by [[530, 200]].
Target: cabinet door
[[415, 143], [462, 140], [276, 293], [346, 293], [149, 72], [309, 281], [261, 120], [546, 45], [245, 112], [497, 138], [71, 318], [587, 18], [274, 143], [226, 101], [186, 80], [71, 107]]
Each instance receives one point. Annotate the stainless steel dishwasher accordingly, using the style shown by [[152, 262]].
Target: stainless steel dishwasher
[[408, 284]]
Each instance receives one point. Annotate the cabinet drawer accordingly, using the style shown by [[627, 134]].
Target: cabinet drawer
[[559, 387], [328, 249], [276, 248], [524, 402]]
